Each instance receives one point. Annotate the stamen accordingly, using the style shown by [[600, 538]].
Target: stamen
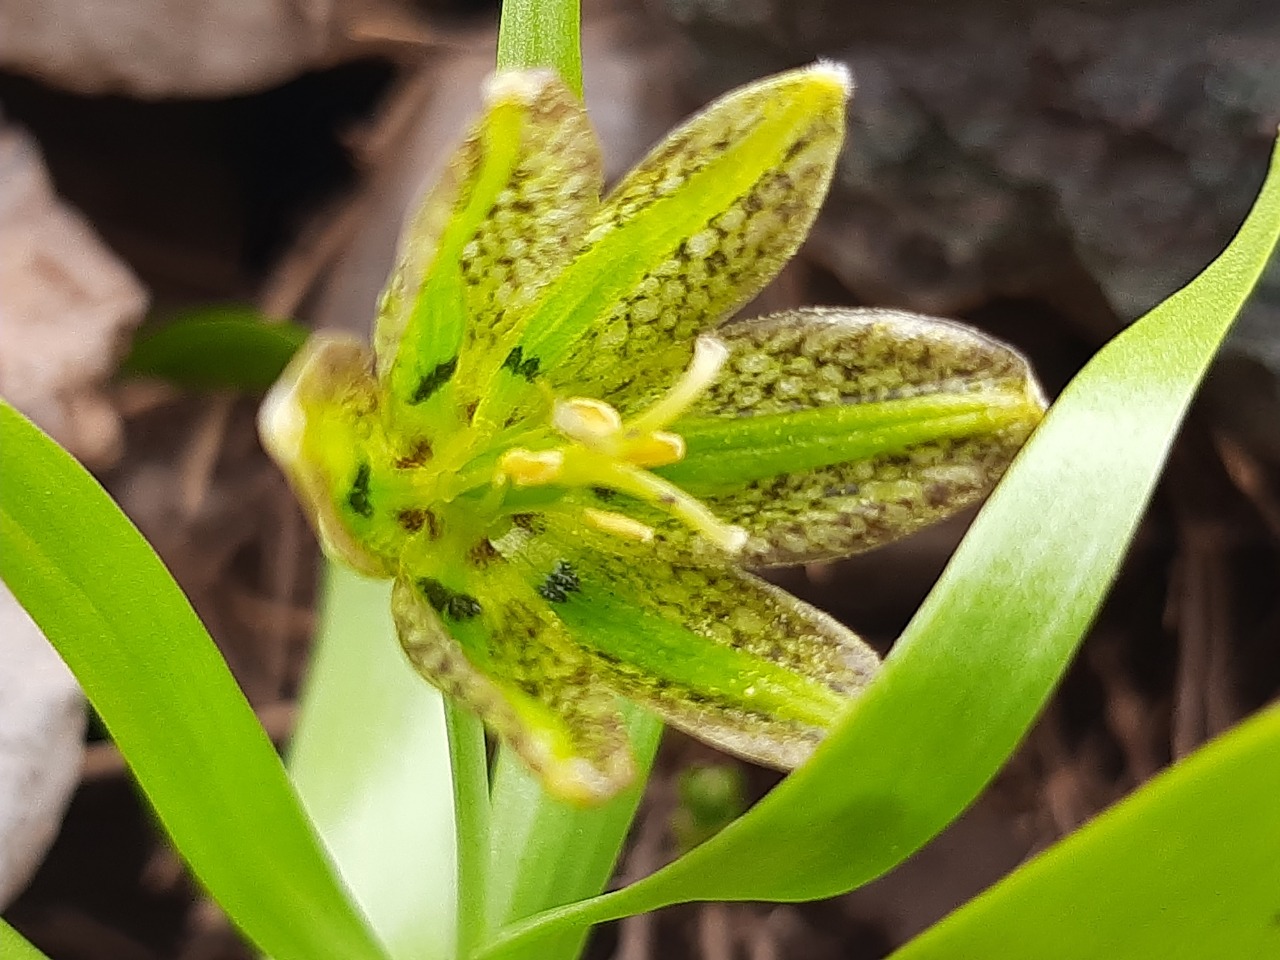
[[604, 451], [655, 450], [590, 422], [618, 524], [529, 468], [650, 488], [709, 355]]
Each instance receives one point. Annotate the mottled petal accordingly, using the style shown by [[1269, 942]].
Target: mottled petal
[[688, 237], [714, 651], [320, 423], [833, 431], [500, 224], [506, 658]]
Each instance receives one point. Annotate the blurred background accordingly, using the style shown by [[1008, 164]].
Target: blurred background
[[1044, 170]]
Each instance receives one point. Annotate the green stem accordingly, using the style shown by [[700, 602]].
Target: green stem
[[471, 822], [542, 33]]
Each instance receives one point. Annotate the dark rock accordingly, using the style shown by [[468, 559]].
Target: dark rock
[[1023, 149]]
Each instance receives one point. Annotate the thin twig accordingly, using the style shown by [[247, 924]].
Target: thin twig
[[715, 932], [1250, 479], [200, 457]]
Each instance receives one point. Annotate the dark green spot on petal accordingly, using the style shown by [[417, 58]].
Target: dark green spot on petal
[[520, 365], [483, 554], [420, 455], [433, 381], [529, 522], [448, 603], [560, 582], [411, 520], [358, 498]]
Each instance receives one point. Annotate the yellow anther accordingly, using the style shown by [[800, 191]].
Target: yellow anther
[[655, 450], [618, 524], [529, 468], [590, 422], [600, 449]]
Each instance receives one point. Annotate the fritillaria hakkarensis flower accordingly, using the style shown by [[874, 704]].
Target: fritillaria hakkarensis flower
[[565, 459]]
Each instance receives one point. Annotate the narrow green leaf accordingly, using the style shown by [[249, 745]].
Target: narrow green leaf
[[1188, 867], [370, 760], [108, 605], [542, 33], [233, 347], [14, 946], [983, 654]]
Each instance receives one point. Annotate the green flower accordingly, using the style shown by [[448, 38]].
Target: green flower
[[564, 461]]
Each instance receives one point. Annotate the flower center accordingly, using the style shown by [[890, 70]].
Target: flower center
[[603, 450]]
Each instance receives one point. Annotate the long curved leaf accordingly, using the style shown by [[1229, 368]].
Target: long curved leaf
[[1188, 867], [984, 652], [14, 946], [370, 760], [108, 605]]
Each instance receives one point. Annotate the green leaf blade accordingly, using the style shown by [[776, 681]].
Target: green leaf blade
[[1185, 868], [369, 758], [108, 605], [984, 652], [226, 347], [14, 946]]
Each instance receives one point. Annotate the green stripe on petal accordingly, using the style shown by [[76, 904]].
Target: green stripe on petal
[[709, 648], [696, 230], [833, 431], [500, 224]]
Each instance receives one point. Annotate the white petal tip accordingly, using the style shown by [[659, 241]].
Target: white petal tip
[[282, 423], [836, 73]]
